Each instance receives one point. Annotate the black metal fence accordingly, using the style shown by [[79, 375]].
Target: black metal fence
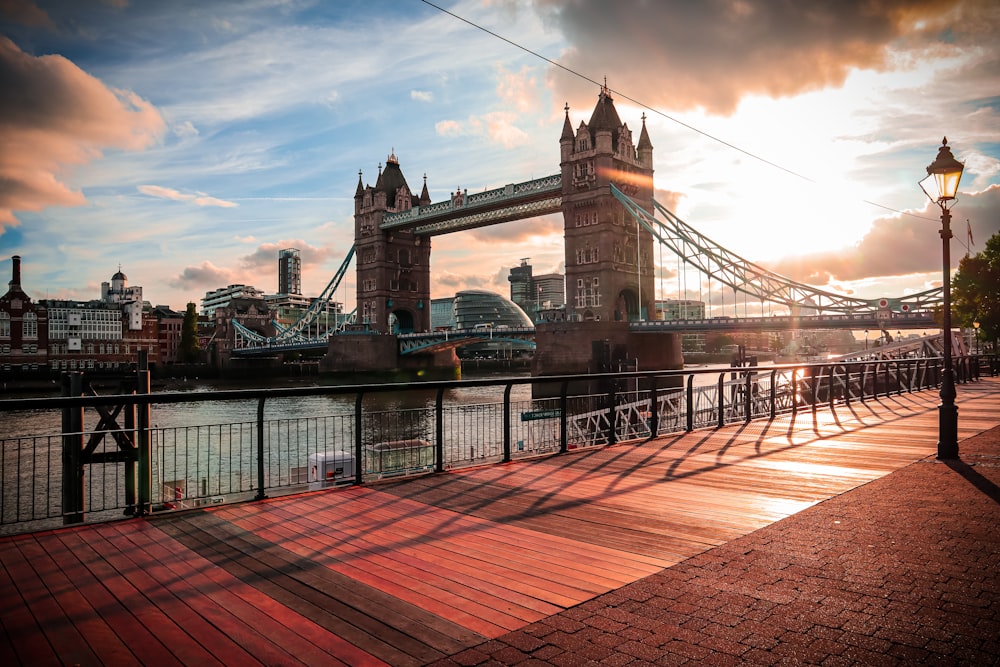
[[86, 457]]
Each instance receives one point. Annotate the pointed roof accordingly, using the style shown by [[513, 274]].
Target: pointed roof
[[361, 188], [425, 197], [605, 116], [391, 179], [567, 131], [644, 141]]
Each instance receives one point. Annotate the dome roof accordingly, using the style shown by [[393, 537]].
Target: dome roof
[[119, 276]]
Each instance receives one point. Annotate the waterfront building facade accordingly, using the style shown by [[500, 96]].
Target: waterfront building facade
[[224, 295], [23, 328]]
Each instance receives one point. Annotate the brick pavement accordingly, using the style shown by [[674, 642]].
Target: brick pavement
[[900, 571]]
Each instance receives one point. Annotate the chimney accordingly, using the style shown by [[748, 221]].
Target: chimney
[[15, 280]]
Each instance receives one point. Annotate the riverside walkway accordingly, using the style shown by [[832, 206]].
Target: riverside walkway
[[830, 537]]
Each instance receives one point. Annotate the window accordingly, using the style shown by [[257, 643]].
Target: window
[[30, 325], [5, 324]]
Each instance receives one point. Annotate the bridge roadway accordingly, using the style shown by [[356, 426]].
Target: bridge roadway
[[411, 343], [658, 549]]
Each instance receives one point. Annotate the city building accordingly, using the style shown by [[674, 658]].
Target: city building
[[482, 308], [170, 325], [684, 309], [289, 272], [542, 297], [128, 298], [224, 295], [550, 291], [443, 313], [522, 291], [23, 328]]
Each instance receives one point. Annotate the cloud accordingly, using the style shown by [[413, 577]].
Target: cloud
[[54, 115], [266, 254], [497, 126], [422, 95], [686, 55], [900, 245], [205, 275], [26, 13], [198, 199], [518, 89]]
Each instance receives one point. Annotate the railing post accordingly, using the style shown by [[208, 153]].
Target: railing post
[[774, 394], [144, 445], [654, 408], [72, 452], [132, 458], [813, 389], [830, 386], [506, 422], [260, 450], [722, 401], [612, 398], [439, 419], [689, 399], [358, 440], [563, 418], [862, 380], [748, 399]]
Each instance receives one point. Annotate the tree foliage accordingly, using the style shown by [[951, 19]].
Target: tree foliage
[[976, 290], [189, 348]]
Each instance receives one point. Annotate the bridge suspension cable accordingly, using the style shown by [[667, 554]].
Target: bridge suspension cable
[[298, 333], [751, 279]]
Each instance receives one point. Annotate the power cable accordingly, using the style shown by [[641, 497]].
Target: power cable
[[643, 105]]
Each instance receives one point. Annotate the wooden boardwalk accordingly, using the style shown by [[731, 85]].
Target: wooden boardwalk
[[407, 572]]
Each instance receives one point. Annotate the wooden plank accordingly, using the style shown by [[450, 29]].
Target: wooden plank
[[373, 624], [16, 618], [343, 574]]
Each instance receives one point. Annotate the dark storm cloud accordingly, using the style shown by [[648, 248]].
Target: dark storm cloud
[[710, 54], [900, 246]]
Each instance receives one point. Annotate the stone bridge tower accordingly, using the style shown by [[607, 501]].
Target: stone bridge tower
[[609, 257], [393, 268]]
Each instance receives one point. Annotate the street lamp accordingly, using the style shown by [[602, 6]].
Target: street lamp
[[975, 325], [866, 340], [941, 186]]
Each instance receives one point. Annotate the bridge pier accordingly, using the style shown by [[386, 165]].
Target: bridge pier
[[379, 353], [570, 348]]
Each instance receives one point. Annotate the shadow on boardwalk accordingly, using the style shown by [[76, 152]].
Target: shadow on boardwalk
[[830, 537]]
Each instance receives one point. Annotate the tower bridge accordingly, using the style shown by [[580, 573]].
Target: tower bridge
[[611, 226]]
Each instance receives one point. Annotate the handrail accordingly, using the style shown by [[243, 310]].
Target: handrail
[[609, 411]]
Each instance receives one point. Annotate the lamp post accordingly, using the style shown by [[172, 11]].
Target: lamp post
[[866, 340], [975, 325], [941, 186]]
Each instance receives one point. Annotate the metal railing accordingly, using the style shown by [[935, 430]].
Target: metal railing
[[89, 458]]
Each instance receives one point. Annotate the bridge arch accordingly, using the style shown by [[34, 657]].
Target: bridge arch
[[401, 321]]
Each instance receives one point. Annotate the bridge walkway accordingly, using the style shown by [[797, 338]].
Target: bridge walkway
[[559, 559]]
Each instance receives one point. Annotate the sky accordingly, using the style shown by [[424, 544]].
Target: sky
[[187, 142]]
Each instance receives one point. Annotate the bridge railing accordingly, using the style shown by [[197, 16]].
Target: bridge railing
[[74, 458]]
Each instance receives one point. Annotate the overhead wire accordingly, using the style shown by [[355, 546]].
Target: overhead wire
[[651, 109]]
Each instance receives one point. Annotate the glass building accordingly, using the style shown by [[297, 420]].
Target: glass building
[[480, 307]]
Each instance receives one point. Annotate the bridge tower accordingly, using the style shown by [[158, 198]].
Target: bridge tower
[[609, 256], [393, 268]]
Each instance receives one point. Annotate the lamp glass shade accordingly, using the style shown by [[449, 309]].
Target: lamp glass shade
[[943, 175]]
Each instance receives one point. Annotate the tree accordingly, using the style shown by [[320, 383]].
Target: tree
[[189, 348], [976, 291]]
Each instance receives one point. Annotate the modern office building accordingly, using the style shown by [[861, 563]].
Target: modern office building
[[289, 271], [221, 297], [545, 293], [480, 307], [443, 313]]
